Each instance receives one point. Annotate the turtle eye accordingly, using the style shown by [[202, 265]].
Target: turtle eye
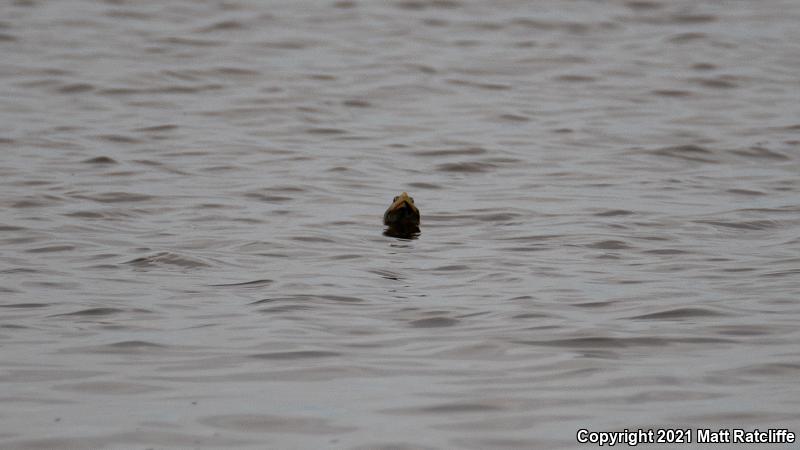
[[395, 199], [412, 199]]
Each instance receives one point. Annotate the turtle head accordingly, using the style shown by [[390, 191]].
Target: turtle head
[[402, 212]]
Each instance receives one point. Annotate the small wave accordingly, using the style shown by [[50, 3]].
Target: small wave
[[666, 251], [782, 369], [37, 202], [157, 128], [466, 167], [110, 387], [692, 18], [416, 5], [356, 103], [679, 18], [680, 313], [746, 192], [128, 14], [161, 90], [614, 213], [720, 82], [466, 151], [345, 4], [743, 225], [451, 268], [26, 305], [531, 316], [254, 283], [97, 214], [167, 259], [687, 37], [285, 309], [302, 354], [611, 342], [643, 5], [676, 93], [514, 118], [533, 238], [135, 344], [259, 423], [93, 312], [434, 322], [124, 347], [224, 25], [290, 44], [267, 198], [456, 408], [342, 298], [117, 197], [51, 249], [311, 239], [425, 186], [76, 88], [326, 131], [100, 160], [119, 139], [782, 273], [498, 217], [226, 71], [694, 153], [190, 42], [609, 245], [761, 153], [574, 78], [480, 85]]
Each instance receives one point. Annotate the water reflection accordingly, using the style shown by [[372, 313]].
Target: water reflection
[[402, 231]]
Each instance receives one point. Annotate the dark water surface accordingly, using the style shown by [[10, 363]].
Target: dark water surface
[[192, 252]]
